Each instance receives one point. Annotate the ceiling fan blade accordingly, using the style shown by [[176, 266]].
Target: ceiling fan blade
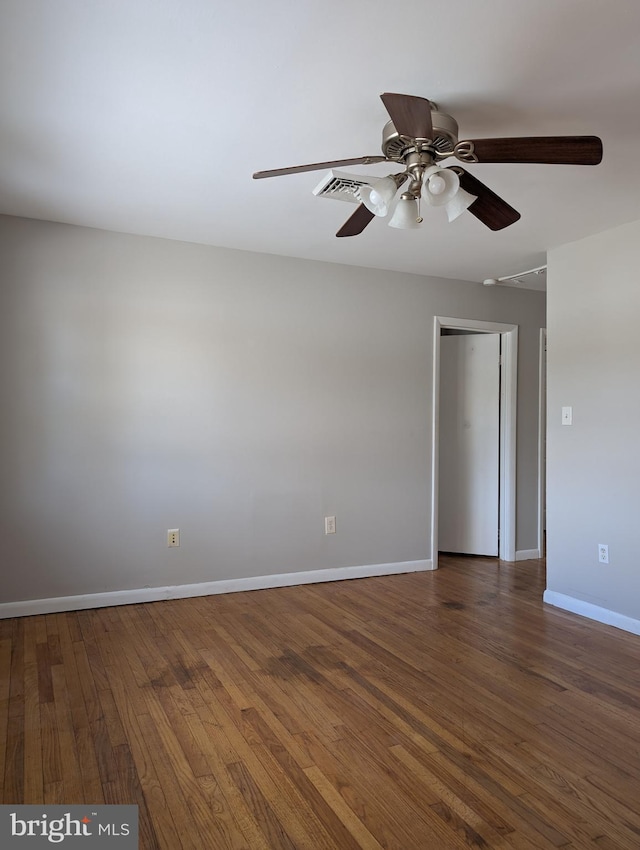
[[357, 222], [488, 207], [411, 115], [319, 166], [560, 150]]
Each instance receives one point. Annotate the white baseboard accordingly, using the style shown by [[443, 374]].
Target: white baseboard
[[56, 604], [527, 554], [592, 612]]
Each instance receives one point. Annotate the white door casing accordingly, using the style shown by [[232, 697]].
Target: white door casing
[[542, 443], [508, 409]]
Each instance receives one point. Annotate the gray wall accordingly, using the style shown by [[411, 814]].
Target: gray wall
[[241, 397], [594, 465]]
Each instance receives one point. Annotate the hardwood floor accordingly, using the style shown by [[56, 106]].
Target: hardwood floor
[[428, 710]]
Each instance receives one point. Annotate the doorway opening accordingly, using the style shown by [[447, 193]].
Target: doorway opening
[[507, 428]]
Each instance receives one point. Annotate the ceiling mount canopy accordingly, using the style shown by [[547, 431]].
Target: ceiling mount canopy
[[418, 137]]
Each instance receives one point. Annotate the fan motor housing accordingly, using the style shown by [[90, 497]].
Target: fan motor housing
[[445, 138]]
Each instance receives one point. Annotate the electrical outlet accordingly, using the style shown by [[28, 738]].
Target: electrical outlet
[[173, 537], [329, 525], [603, 553]]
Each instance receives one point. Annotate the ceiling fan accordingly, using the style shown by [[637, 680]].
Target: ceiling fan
[[418, 137]]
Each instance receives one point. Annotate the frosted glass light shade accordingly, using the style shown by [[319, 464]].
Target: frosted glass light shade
[[433, 191], [406, 214], [377, 197], [460, 202]]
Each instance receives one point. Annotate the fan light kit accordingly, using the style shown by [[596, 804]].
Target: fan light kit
[[418, 137]]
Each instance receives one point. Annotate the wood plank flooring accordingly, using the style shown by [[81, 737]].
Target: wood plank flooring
[[428, 710]]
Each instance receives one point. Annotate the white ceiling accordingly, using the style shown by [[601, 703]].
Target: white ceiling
[[150, 116]]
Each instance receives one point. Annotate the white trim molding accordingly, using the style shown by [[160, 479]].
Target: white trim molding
[[527, 554], [542, 437], [508, 425], [592, 612], [57, 604]]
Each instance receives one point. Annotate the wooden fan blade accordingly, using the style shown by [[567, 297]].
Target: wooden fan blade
[[319, 166], [411, 115], [488, 207], [561, 150], [357, 222]]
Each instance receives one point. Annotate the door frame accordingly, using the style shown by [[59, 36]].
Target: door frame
[[542, 434], [508, 419]]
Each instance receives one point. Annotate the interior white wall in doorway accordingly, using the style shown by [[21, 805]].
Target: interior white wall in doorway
[[508, 419], [469, 474]]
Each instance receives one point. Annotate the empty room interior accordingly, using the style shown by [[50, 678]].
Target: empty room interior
[[318, 434]]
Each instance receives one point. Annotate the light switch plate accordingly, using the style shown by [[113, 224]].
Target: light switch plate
[[329, 525]]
